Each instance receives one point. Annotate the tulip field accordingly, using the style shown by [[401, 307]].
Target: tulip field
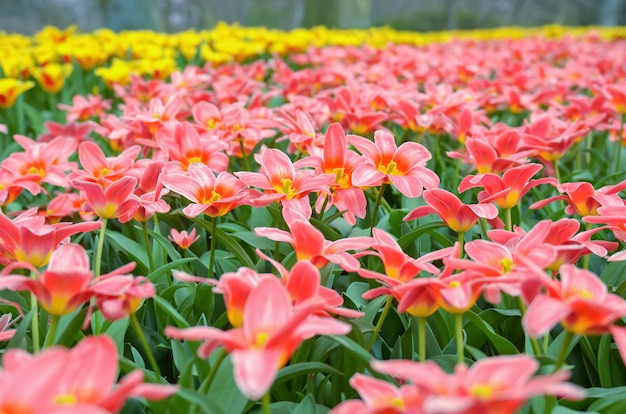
[[244, 220]]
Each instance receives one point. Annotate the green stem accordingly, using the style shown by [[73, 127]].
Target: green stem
[[560, 360], [52, 331], [34, 323], [557, 172], [587, 256], [421, 338], [483, 228], [212, 252], [458, 324], [146, 242], [244, 156], [265, 403], [379, 197], [461, 236], [98, 263], [320, 216], [619, 144], [146, 346], [588, 145], [509, 219], [19, 108], [379, 324], [206, 384], [533, 341]]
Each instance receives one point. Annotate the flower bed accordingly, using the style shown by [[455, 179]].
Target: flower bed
[[244, 220]]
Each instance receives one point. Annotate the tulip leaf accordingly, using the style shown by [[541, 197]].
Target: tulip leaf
[[414, 234], [166, 244], [353, 348], [224, 389], [157, 273], [229, 241], [129, 247], [171, 312], [207, 405], [18, 339], [502, 345], [303, 368]]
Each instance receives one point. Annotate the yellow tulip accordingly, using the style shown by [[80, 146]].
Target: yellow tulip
[[10, 89], [52, 76]]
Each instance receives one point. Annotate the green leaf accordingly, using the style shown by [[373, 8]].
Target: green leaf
[[604, 365], [255, 241], [72, 329], [229, 241], [19, 338], [564, 410], [290, 407], [225, 390], [303, 368], [117, 331], [328, 232], [353, 348], [597, 392], [128, 247], [194, 397], [355, 292], [411, 236], [502, 345], [166, 244], [171, 311], [612, 405], [154, 276]]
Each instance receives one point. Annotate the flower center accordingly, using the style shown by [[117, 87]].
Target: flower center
[[481, 391], [507, 265], [390, 169]]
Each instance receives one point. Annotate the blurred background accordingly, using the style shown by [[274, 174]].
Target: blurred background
[[29, 16]]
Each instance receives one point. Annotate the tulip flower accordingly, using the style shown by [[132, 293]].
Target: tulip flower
[[28, 239], [183, 239], [77, 380], [581, 303], [337, 160], [280, 179], [458, 216], [10, 89], [272, 329], [384, 162], [51, 77], [500, 384], [309, 244], [581, 197], [42, 162], [185, 147], [112, 201], [505, 191], [102, 169], [213, 196]]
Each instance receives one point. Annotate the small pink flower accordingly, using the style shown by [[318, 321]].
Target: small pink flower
[[183, 239]]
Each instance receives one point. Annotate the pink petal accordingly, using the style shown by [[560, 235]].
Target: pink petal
[[255, 371], [542, 314]]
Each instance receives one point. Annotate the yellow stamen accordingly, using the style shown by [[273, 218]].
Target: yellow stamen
[[481, 391], [391, 168], [507, 265]]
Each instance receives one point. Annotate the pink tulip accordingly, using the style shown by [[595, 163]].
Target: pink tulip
[[272, 329], [78, 380], [383, 162]]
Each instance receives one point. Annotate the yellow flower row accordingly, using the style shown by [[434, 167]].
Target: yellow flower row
[[45, 56]]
